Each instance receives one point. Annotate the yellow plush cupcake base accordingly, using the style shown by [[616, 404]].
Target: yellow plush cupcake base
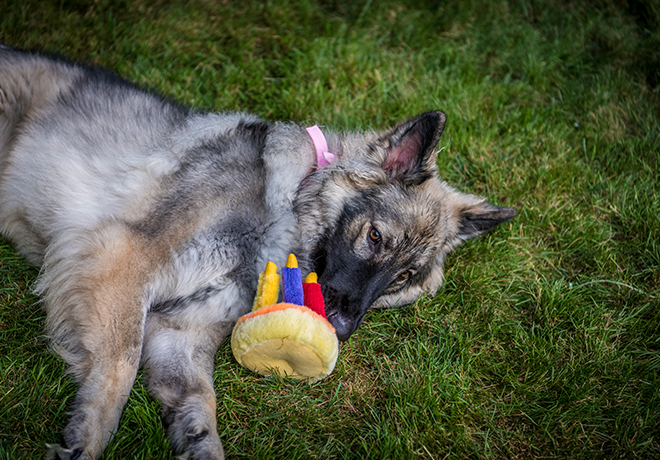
[[286, 339], [286, 356]]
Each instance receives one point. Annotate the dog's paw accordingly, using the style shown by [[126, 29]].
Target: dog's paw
[[57, 452], [203, 446]]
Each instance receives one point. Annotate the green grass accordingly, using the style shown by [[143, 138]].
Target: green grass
[[537, 346]]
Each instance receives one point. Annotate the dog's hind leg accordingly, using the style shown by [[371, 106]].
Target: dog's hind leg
[[178, 358], [96, 314]]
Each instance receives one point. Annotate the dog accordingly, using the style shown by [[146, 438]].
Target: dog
[[151, 222]]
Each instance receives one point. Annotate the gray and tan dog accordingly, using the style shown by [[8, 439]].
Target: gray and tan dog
[[151, 222]]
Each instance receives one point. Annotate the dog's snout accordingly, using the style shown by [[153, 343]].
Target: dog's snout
[[344, 302], [345, 307]]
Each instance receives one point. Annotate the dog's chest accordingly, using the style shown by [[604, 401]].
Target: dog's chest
[[235, 219]]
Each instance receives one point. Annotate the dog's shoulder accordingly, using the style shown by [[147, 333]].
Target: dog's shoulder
[[288, 158]]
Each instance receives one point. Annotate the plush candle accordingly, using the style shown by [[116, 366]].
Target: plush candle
[[268, 288], [313, 296], [292, 291]]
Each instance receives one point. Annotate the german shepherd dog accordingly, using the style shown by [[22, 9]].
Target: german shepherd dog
[[151, 222]]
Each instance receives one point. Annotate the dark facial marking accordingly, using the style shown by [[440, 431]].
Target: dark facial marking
[[351, 279]]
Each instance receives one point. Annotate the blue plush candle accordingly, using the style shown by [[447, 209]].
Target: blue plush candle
[[292, 290]]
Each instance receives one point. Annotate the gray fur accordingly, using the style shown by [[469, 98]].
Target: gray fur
[[151, 222]]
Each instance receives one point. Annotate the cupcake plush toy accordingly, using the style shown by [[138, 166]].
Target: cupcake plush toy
[[291, 338]]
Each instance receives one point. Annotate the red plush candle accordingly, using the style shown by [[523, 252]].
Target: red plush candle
[[313, 295]]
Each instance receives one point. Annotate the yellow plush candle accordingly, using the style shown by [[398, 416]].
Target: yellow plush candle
[[268, 288]]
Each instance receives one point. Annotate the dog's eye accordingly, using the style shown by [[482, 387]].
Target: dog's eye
[[405, 275], [374, 235]]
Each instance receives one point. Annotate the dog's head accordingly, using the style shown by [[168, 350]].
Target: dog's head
[[379, 223]]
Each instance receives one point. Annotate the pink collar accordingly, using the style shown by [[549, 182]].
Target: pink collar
[[323, 157]]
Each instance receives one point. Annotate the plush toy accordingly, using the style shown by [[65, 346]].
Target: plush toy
[[292, 338]]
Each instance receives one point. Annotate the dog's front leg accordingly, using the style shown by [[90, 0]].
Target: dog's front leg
[[96, 312], [178, 358]]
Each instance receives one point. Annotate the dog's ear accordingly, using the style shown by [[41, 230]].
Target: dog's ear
[[468, 216], [408, 150], [473, 216], [482, 218]]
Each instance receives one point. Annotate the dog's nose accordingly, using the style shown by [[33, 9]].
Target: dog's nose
[[344, 327]]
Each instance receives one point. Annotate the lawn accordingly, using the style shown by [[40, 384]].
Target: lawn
[[544, 341]]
